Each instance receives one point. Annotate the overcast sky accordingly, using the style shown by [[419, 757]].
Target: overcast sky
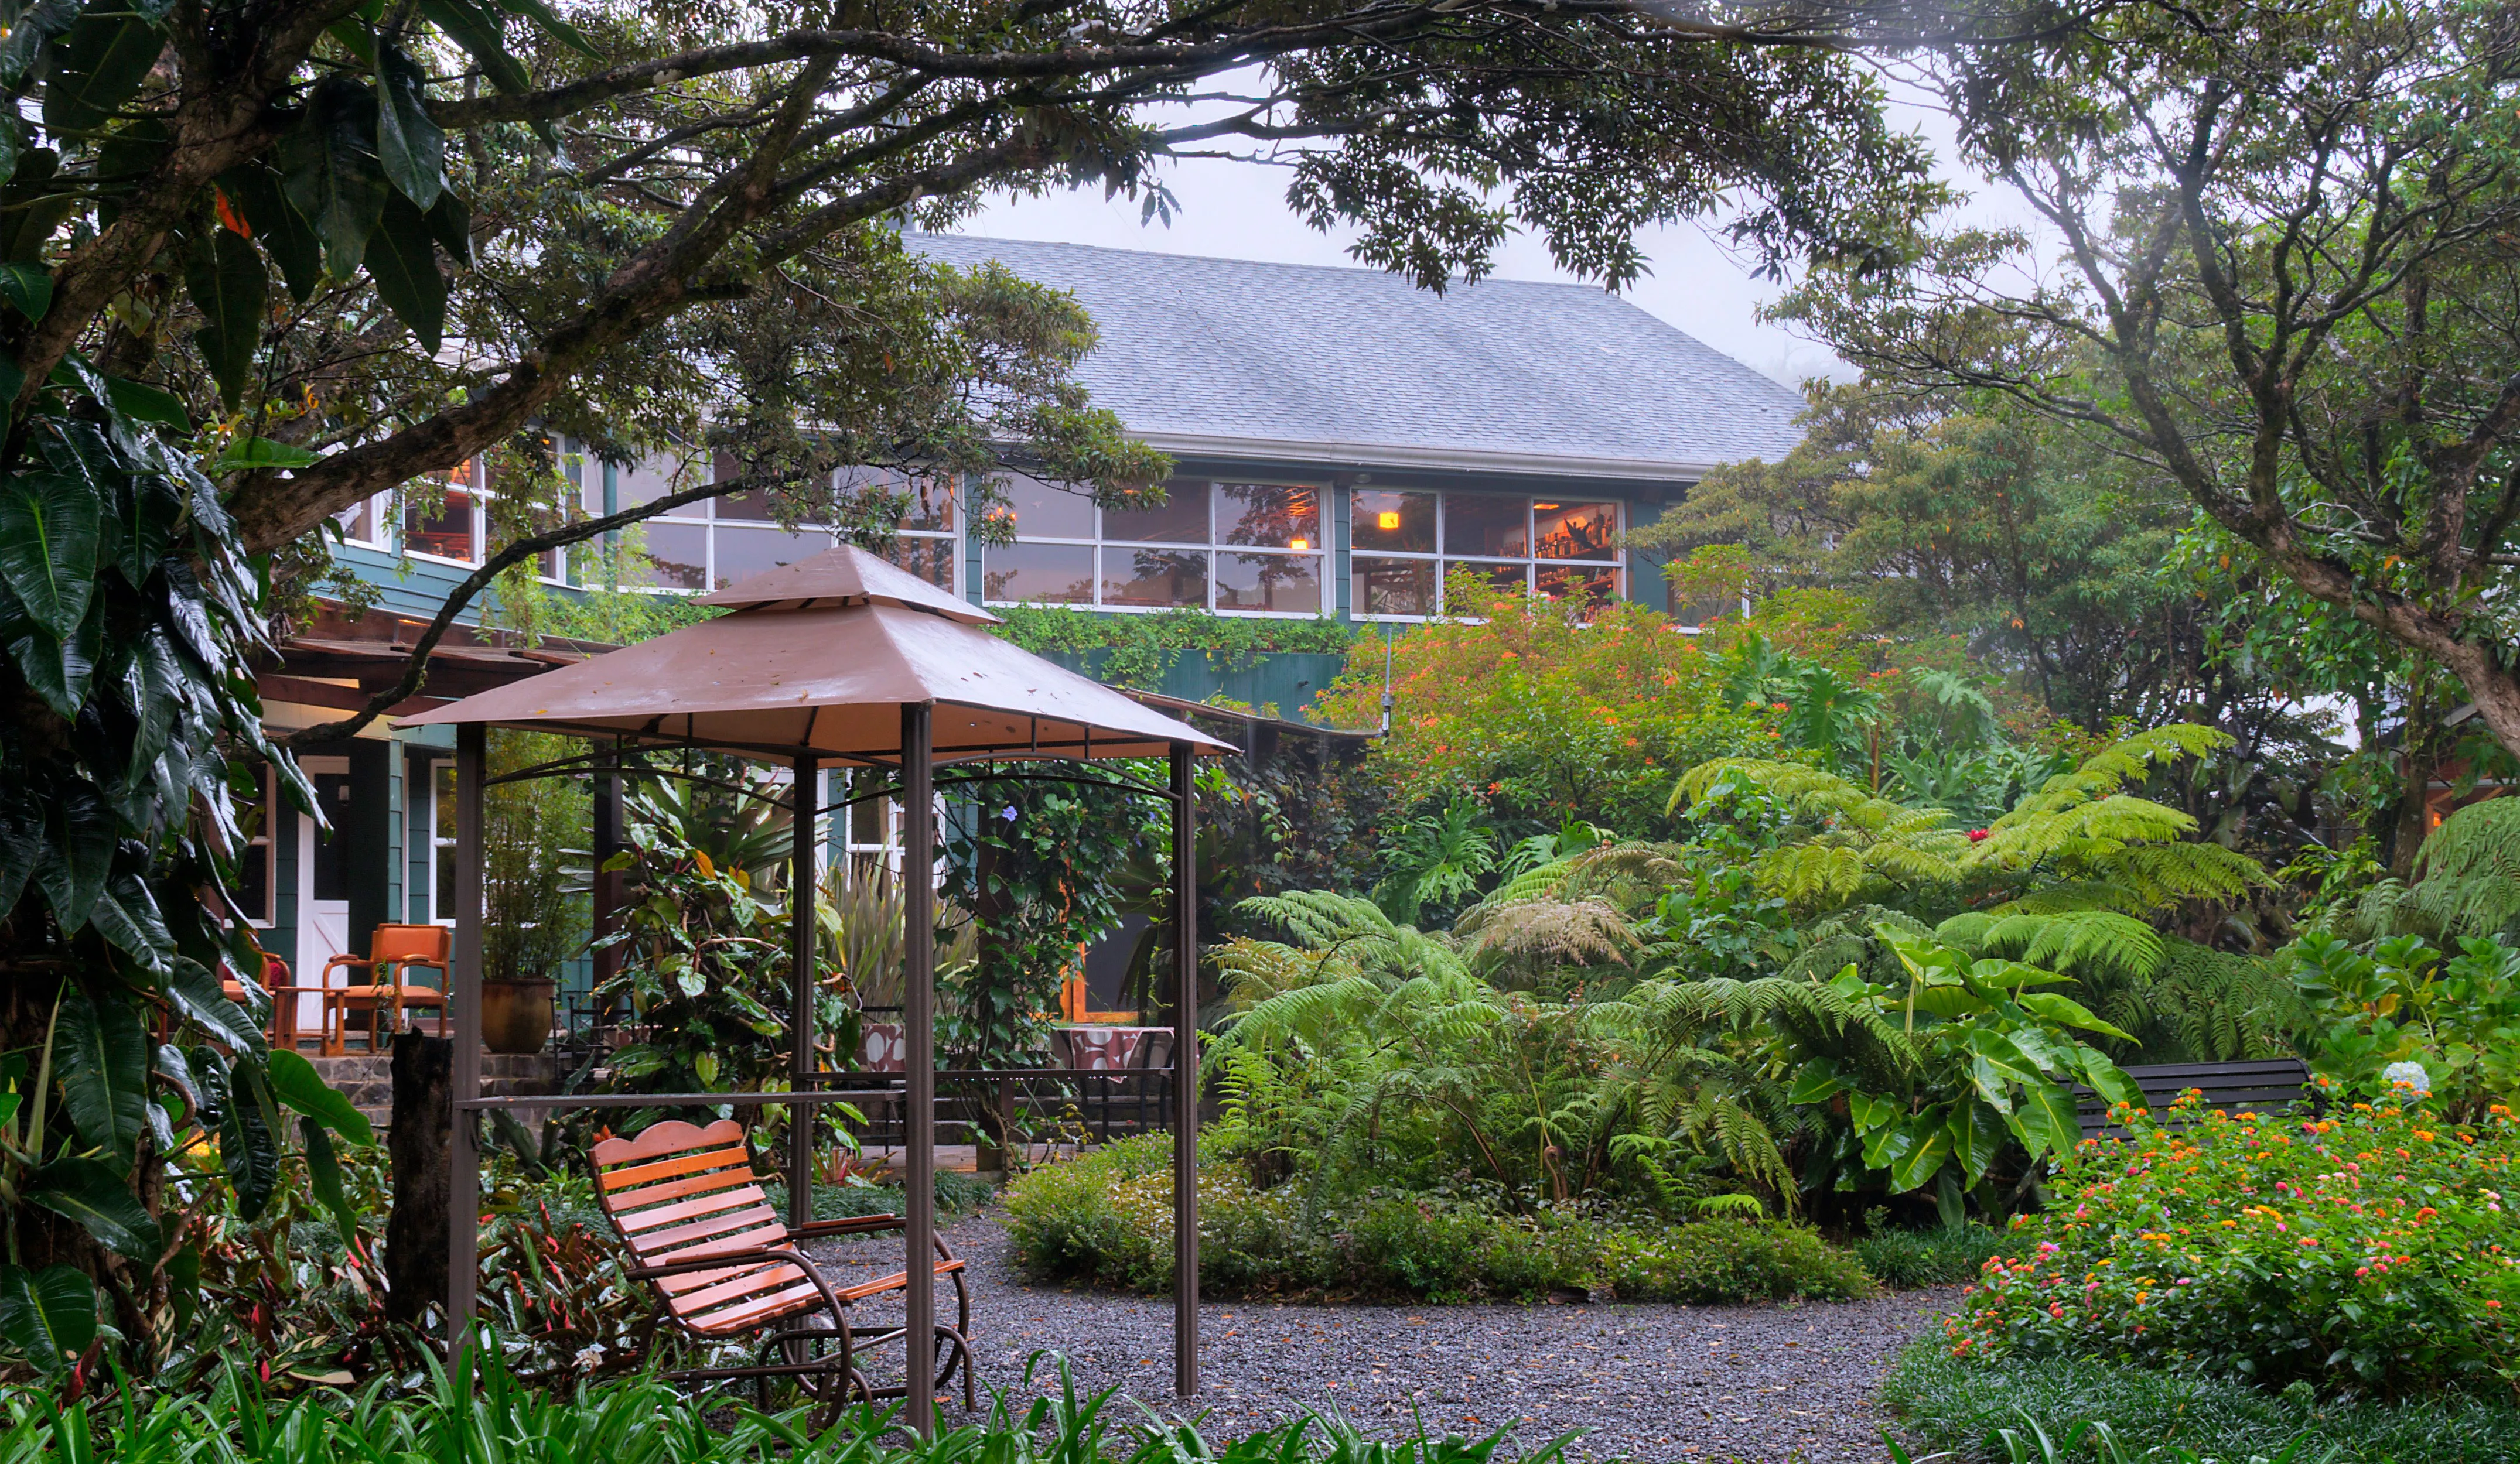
[[1238, 210]]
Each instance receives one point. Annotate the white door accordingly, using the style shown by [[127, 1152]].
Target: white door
[[323, 889]]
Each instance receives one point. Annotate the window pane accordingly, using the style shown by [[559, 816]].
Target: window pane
[[447, 533], [932, 504], [1476, 523], [1574, 531], [1394, 587], [1039, 573], [1154, 577], [441, 813], [645, 481], [1182, 519], [673, 556], [359, 521], [1386, 519], [1267, 513], [931, 559], [1042, 511], [1513, 579], [742, 554], [1594, 587], [1285, 583]]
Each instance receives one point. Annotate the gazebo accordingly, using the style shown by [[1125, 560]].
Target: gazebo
[[839, 661]]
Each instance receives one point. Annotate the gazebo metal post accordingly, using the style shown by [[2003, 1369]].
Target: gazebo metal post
[[463, 996], [804, 799], [1185, 1074], [919, 1042]]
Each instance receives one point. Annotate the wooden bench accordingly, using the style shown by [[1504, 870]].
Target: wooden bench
[[2270, 1087], [692, 1213]]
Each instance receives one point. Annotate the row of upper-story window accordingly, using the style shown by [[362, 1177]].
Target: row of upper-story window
[[1232, 547]]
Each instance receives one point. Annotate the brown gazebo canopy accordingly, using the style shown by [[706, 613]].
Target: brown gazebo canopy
[[841, 660]]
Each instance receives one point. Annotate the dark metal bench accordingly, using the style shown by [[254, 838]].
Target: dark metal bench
[[2270, 1087]]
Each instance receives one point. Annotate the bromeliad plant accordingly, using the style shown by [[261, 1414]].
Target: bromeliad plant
[[1942, 1072]]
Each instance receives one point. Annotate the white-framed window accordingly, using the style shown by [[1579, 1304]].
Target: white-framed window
[[1405, 542], [1235, 548], [712, 544], [363, 523], [441, 841], [457, 528]]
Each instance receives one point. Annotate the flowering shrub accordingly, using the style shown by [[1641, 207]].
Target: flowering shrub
[[2369, 1250]]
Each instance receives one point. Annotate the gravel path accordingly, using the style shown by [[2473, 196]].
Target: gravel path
[[1658, 1384]]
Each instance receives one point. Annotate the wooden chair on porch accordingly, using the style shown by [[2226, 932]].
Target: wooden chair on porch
[[692, 1213], [388, 992]]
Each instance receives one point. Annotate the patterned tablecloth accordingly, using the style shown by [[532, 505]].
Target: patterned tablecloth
[[1103, 1050], [1092, 1049]]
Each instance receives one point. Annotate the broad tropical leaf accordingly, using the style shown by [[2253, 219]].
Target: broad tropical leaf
[[90, 1192], [49, 535], [48, 1315], [101, 1050], [295, 1083]]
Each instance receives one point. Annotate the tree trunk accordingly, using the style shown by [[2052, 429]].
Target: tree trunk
[[423, 1125]]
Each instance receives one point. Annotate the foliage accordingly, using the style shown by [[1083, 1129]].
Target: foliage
[[534, 861], [1037, 869], [1543, 714], [1107, 1217], [1138, 650], [2249, 299], [704, 959], [1942, 1256], [2456, 1013], [2362, 1252], [1940, 1069], [484, 1411], [1944, 1403], [2081, 841]]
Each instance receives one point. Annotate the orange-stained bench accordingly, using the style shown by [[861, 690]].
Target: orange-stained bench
[[690, 1212]]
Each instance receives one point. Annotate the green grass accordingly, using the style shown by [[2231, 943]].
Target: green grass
[[1944, 1404], [1942, 1256]]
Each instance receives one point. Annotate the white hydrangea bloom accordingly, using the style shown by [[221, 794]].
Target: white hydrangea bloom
[[2411, 1073]]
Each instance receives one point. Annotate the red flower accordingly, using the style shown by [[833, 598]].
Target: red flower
[[1977, 834]]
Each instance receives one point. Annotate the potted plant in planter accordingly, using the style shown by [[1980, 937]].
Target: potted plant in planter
[[532, 889]]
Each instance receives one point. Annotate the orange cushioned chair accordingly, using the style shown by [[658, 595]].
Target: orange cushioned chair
[[690, 1212], [391, 953]]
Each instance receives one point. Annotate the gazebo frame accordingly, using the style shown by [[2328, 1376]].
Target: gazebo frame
[[915, 784]]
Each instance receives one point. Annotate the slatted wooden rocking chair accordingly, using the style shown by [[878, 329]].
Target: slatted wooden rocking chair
[[690, 1212]]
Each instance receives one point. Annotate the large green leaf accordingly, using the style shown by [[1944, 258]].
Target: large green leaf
[[21, 846], [49, 533], [554, 26], [89, 1191], [196, 992], [126, 914], [82, 836], [48, 1315], [1979, 1134], [97, 68], [1816, 1082], [227, 281], [410, 146], [245, 454], [101, 1050], [2065, 1012], [330, 172], [450, 223], [28, 288], [323, 1177], [149, 404], [2047, 1120], [278, 226], [297, 1084], [59, 670], [1922, 1158], [404, 265], [247, 1145], [483, 38]]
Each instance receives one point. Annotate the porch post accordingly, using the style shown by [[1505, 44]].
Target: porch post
[[1185, 1074], [919, 1051], [464, 996], [805, 796]]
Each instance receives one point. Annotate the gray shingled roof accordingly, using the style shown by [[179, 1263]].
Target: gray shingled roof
[[1237, 358]]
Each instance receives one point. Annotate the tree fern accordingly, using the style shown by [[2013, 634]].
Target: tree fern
[[2469, 870]]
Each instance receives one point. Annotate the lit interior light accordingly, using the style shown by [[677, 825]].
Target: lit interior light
[[1387, 520], [1300, 543]]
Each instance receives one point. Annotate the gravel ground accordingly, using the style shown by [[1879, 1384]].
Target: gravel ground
[[1652, 1382]]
